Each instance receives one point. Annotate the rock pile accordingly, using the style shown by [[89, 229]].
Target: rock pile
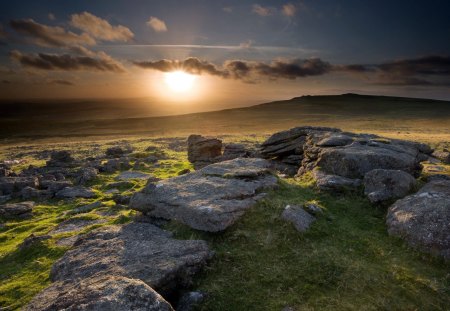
[[210, 199]]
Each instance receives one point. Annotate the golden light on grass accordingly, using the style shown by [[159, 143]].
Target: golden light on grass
[[179, 81]]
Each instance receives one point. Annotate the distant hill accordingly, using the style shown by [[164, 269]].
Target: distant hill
[[348, 111]]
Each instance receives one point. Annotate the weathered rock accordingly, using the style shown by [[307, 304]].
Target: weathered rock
[[9, 185], [118, 151], [313, 209], [233, 151], [443, 155], [28, 193], [210, 199], [423, 219], [99, 293], [132, 175], [335, 140], [85, 175], [301, 219], [327, 182], [203, 151], [17, 210], [4, 198], [385, 185], [136, 250], [61, 156], [184, 172], [55, 186], [75, 192], [114, 165]]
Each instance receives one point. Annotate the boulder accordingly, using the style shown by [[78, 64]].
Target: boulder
[[4, 198], [233, 151], [385, 185], [61, 158], [210, 199], [203, 151], [443, 155], [28, 193], [114, 165], [55, 186], [17, 210], [85, 175], [118, 151], [334, 183], [9, 185], [75, 192], [136, 250], [296, 215], [423, 219], [97, 293]]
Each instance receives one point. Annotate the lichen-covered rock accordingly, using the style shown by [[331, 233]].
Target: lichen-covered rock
[[423, 219], [16, 210], [300, 218], [9, 185], [85, 175], [203, 151], [136, 250], [75, 192], [99, 293], [118, 151], [385, 185], [210, 199]]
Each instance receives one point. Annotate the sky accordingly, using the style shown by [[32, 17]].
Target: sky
[[235, 52]]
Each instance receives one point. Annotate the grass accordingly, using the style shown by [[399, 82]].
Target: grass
[[346, 261]]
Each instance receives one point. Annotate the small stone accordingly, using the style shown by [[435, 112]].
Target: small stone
[[301, 219]]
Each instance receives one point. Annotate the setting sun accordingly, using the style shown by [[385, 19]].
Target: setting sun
[[179, 81]]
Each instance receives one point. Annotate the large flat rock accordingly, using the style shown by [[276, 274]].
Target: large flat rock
[[423, 219], [136, 250], [210, 199]]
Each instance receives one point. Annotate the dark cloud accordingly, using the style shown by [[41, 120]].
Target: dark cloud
[[50, 36], [67, 62], [429, 65], [243, 70], [62, 82]]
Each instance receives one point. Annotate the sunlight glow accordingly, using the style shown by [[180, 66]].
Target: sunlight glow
[[179, 81]]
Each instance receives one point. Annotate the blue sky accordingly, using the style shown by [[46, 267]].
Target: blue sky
[[373, 34]]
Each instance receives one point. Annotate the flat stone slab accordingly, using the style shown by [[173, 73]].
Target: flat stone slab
[[75, 192], [99, 293], [136, 250], [132, 175], [210, 199]]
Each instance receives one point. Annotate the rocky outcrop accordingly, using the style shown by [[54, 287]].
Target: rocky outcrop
[[210, 199], [17, 210], [334, 183], [203, 151], [386, 185], [136, 250], [9, 185], [423, 219], [99, 293]]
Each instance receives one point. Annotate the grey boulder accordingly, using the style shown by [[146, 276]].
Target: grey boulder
[[203, 150], [423, 219], [210, 199], [334, 183], [16, 210], [136, 250], [99, 293], [75, 192], [296, 215], [385, 185]]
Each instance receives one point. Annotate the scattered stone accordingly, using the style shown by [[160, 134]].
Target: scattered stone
[[423, 219], [20, 210], [117, 151], [121, 199], [55, 186], [184, 172], [301, 219], [132, 175], [385, 185], [189, 300], [86, 208], [75, 224], [4, 198], [203, 151], [32, 240], [151, 159], [9, 185], [99, 293], [443, 155], [60, 158], [112, 191], [233, 151], [75, 192], [86, 175], [136, 250], [335, 183], [210, 199], [313, 209], [28, 193], [114, 165], [120, 184]]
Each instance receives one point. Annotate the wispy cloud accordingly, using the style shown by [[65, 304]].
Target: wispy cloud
[[262, 10], [288, 10], [51, 16], [100, 28], [157, 24]]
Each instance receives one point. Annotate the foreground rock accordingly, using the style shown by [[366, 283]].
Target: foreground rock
[[300, 218], [17, 210], [203, 151], [423, 219], [99, 293], [385, 185], [210, 199], [137, 250]]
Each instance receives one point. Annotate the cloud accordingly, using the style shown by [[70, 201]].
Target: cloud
[[156, 24], [248, 71], [247, 44], [50, 36], [227, 9], [62, 82], [288, 10], [99, 28], [51, 16], [428, 65], [261, 10], [66, 62]]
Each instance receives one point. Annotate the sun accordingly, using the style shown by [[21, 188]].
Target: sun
[[179, 81]]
